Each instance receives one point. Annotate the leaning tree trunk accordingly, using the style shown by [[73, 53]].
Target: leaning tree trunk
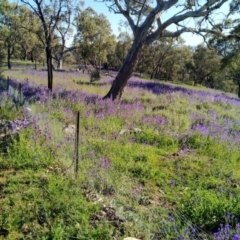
[[49, 67], [125, 71]]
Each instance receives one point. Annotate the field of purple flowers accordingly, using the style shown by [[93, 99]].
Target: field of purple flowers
[[165, 158]]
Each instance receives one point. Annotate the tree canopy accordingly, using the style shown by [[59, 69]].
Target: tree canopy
[[94, 37]]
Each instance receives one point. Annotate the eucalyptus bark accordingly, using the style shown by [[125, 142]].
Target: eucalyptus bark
[[125, 71]]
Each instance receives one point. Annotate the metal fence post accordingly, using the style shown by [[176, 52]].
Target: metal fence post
[[8, 81], [77, 144]]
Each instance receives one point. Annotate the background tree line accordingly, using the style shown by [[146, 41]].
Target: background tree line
[[64, 33]]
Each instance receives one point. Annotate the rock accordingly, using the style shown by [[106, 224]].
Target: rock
[[136, 130], [123, 131], [106, 214], [27, 109], [133, 130], [70, 129]]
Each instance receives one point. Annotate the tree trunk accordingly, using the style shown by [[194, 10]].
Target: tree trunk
[[100, 67], [60, 62], [125, 71], [24, 55], [32, 58], [239, 88], [9, 58], [49, 67]]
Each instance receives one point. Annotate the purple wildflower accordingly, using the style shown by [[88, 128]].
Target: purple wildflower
[[104, 162]]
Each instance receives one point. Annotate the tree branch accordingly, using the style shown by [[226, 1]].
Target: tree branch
[[141, 12], [125, 13]]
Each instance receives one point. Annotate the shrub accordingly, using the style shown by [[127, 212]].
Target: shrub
[[94, 75]]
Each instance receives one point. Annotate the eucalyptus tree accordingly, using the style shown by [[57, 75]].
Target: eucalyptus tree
[[205, 65], [27, 42], [60, 49], [31, 48], [123, 45], [233, 64], [64, 32], [9, 32], [94, 37], [52, 14], [175, 64], [228, 47], [183, 56], [229, 50], [152, 58], [147, 23]]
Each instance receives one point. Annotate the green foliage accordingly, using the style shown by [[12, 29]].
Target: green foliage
[[39, 201], [157, 139], [94, 37], [142, 157], [207, 207], [8, 109], [94, 75]]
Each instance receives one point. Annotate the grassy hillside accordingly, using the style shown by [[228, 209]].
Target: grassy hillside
[[162, 163]]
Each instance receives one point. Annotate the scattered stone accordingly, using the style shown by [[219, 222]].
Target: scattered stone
[[70, 129], [25, 228], [123, 131], [161, 191], [133, 130], [27, 109], [106, 214], [91, 196], [136, 130]]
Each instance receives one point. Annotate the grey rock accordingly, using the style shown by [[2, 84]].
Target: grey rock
[[69, 129], [133, 130]]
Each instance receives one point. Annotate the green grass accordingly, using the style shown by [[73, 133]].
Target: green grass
[[156, 189], [39, 199]]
